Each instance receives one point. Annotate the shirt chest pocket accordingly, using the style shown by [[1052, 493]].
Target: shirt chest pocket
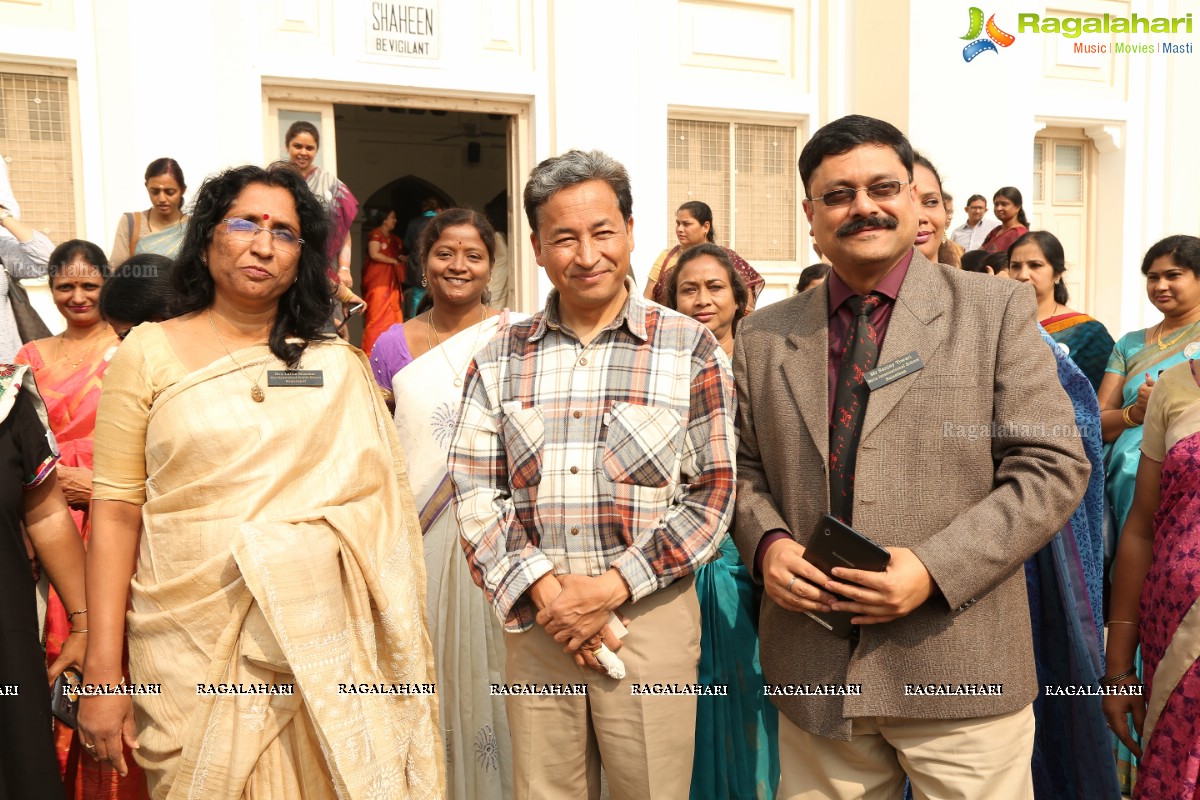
[[641, 444], [524, 433]]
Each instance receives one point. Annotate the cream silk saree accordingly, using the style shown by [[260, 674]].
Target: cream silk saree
[[280, 546]]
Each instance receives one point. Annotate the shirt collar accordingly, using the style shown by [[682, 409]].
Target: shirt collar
[[889, 287], [632, 315]]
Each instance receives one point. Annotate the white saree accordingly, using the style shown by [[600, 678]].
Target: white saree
[[468, 641]]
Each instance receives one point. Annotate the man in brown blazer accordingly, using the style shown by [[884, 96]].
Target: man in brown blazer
[[962, 465]]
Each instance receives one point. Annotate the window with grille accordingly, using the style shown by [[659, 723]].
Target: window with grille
[[746, 172], [35, 142]]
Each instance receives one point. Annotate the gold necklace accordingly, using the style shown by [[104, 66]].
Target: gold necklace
[[256, 392], [150, 227], [1164, 345], [458, 374], [62, 338]]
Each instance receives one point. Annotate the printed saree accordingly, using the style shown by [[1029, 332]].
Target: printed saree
[[1169, 610], [1133, 358], [1072, 754], [71, 396], [1087, 341], [467, 638]]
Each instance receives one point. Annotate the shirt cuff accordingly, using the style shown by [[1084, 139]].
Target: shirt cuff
[[763, 544], [634, 568]]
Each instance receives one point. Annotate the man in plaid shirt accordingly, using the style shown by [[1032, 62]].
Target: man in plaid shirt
[[593, 465]]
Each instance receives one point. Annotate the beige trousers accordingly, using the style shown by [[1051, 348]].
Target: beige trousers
[[946, 759], [644, 741]]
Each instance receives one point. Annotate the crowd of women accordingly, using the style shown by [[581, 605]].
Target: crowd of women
[[262, 506]]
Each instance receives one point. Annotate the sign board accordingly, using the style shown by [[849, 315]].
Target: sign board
[[404, 30]]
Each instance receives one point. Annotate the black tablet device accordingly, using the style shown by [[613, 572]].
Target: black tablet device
[[836, 544]]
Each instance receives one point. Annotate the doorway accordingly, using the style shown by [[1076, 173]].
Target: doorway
[[395, 156]]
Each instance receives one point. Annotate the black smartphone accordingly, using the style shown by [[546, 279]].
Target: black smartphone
[[64, 696], [835, 544]]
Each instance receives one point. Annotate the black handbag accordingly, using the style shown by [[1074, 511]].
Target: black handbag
[[29, 324]]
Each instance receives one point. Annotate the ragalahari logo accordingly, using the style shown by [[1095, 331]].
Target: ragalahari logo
[[995, 36]]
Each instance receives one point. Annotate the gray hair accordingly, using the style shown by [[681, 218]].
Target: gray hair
[[570, 169]]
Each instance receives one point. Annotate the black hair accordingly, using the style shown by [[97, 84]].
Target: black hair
[[302, 126], [307, 305], [373, 218], [1013, 194], [167, 166], [139, 290], [1052, 249], [702, 213], [72, 249], [927, 164], [975, 261], [741, 295], [847, 133], [496, 212], [811, 274], [997, 261], [1184, 251], [975, 197]]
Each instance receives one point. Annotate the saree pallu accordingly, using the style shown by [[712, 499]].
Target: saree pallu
[[280, 547], [342, 206], [737, 736], [467, 638], [1072, 755], [381, 291], [71, 396], [1169, 628], [1087, 341], [166, 242]]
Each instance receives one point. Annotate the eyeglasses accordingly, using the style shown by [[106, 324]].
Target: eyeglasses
[[876, 191], [245, 231]]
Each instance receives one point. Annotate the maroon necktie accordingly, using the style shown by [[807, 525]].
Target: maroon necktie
[[850, 403]]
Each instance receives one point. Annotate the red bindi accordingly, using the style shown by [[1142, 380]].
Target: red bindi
[[266, 217]]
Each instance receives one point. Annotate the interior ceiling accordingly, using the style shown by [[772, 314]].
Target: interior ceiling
[[449, 126]]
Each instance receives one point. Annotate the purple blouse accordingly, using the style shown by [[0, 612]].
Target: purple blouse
[[390, 355]]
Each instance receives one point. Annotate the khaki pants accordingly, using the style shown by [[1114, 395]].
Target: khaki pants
[[644, 741], [963, 759]]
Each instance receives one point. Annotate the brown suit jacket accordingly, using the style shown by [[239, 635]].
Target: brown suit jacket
[[930, 476]]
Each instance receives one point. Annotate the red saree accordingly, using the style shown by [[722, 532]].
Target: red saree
[[72, 395], [381, 290]]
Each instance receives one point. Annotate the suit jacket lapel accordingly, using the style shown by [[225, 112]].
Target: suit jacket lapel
[[806, 368], [922, 299]]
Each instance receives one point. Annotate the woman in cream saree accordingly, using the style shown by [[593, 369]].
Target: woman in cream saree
[[277, 606]]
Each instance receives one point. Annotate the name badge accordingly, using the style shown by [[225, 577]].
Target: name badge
[[295, 377], [894, 370]]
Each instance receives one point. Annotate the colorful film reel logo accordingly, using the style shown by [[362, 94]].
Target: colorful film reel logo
[[995, 36]]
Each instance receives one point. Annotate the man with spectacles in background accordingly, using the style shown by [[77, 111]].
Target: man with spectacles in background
[[970, 234], [856, 398]]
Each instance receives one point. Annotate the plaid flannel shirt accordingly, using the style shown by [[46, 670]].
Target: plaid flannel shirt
[[576, 459]]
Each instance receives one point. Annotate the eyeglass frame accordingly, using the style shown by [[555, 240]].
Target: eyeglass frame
[[275, 241], [853, 193]]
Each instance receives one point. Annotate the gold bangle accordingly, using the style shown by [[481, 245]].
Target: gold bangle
[[72, 614], [85, 630], [1120, 622], [1128, 419]]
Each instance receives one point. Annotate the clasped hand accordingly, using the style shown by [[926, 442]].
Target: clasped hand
[[874, 597], [575, 610]]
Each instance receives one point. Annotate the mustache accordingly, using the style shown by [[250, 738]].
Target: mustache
[[855, 225]]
